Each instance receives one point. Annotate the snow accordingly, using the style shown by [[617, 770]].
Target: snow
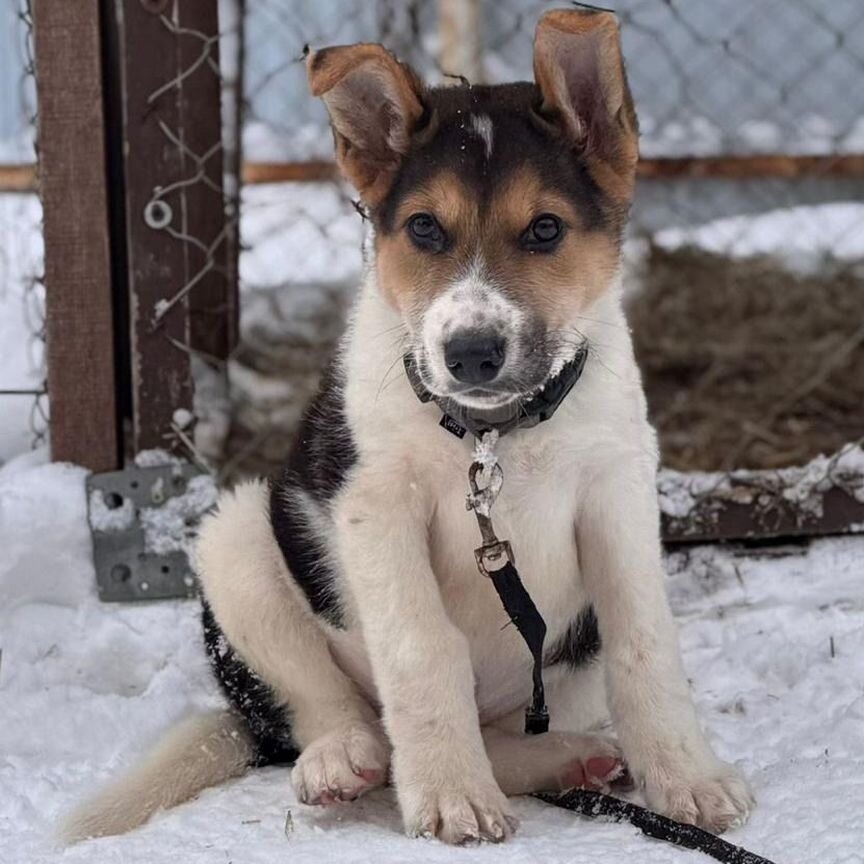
[[773, 646], [803, 486], [804, 236], [166, 527], [20, 312], [306, 231], [488, 479]]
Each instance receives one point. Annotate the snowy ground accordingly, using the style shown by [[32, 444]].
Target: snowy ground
[[773, 647]]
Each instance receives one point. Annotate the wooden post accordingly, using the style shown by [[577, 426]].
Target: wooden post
[[180, 296], [80, 347], [461, 39]]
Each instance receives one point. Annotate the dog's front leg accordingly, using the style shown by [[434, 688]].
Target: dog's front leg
[[649, 699], [420, 662]]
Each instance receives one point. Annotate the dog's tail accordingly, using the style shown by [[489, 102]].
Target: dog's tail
[[204, 750]]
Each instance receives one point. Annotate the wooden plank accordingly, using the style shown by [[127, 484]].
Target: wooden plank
[[822, 498], [18, 178], [22, 178], [719, 168], [80, 347], [752, 167], [289, 172]]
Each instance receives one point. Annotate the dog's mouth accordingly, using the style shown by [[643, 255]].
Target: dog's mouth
[[495, 395]]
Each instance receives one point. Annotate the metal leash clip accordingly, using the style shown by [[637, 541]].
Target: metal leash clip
[[494, 553]]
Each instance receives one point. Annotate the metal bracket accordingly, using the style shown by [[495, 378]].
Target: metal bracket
[[122, 506]]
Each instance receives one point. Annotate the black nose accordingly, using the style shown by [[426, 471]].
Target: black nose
[[474, 358]]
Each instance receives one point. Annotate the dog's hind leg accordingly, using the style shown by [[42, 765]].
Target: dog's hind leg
[[585, 755], [267, 621], [553, 761]]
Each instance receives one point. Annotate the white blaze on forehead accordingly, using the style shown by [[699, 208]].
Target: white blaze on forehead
[[482, 125]]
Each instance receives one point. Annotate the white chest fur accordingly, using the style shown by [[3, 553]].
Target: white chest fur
[[546, 470]]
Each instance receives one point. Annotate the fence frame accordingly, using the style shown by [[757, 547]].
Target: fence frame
[[117, 372], [73, 182]]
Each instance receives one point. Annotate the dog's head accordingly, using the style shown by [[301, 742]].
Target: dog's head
[[498, 211]]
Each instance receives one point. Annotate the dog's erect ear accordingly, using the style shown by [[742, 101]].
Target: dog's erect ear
[[374, 103], [580, 72]]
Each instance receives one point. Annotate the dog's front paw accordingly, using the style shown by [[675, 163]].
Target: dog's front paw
[[715, 796], [341, 766], [459, 812]]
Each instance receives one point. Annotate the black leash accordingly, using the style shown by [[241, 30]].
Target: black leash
[[596, 805], [495, 560]]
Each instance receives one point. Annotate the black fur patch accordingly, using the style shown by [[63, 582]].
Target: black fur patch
[[580, 644], [250, 696], [320, 459], [520, 138]]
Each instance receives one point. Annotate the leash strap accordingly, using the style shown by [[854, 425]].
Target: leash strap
[[529, 622], [595, 804], [495, 560]]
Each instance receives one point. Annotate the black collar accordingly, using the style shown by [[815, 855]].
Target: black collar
[[523, 415]]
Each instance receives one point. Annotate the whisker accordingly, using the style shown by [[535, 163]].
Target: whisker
[[389, 369], [605, 323]]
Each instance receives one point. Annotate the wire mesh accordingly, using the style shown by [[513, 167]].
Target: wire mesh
[[23, 400], [773, 81], [778, 82]]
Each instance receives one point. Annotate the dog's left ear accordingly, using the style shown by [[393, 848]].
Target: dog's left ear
[[374, 103], [579, 70]]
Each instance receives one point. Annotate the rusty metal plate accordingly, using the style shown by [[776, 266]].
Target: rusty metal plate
[[142, 521]]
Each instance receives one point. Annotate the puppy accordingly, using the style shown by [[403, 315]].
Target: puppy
[[344, 614]]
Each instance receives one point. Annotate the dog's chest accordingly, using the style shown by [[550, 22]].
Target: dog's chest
[[535, 512]]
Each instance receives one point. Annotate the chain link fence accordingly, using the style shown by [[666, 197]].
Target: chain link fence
[[744, 261], [747, 238], [23, 402]]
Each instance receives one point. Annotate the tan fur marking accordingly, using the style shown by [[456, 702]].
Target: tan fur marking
[[411, 279], [374, 102], [554, 285], [590, 43]]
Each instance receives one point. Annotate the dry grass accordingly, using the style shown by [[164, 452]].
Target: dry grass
[[746, 364]]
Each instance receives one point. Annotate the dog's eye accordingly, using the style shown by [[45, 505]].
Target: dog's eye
[[426, 233], [543, 234]]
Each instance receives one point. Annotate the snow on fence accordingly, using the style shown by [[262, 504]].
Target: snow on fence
[[197, 123]]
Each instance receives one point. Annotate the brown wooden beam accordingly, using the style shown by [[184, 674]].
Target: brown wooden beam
[[288, 172], [22, 178], [752, 167], [80, 346], [18, 178], [176, 233], [823, 498], [703, 167]]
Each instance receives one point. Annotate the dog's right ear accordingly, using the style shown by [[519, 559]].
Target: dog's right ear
[[579, 70], [374, 103]]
